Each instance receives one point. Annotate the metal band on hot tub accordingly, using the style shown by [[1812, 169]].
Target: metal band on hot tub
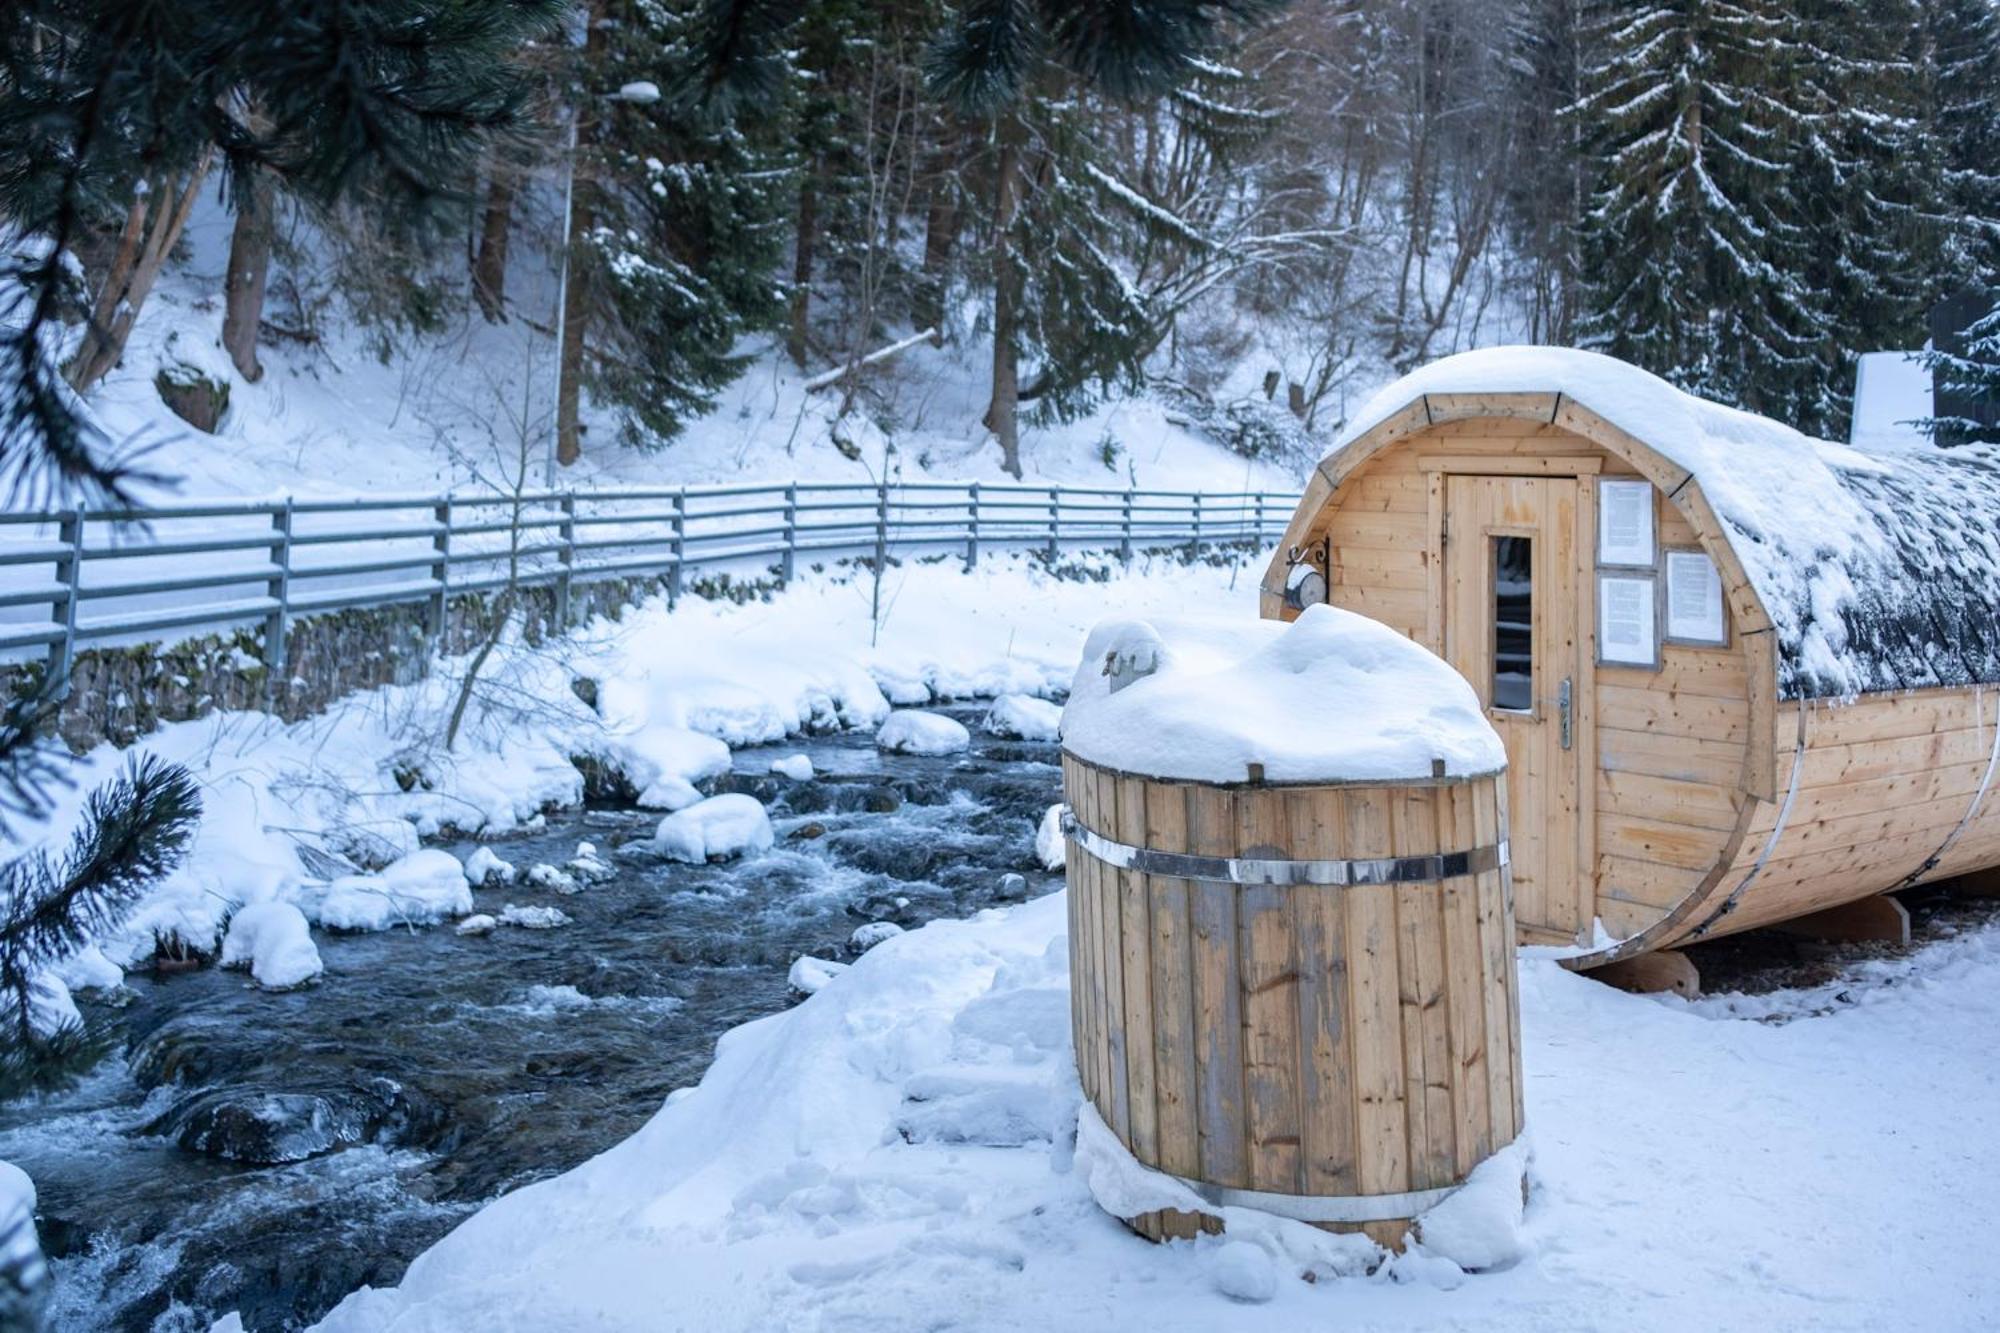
[[1258, 870]]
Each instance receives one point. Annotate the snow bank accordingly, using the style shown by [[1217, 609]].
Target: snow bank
[[1864, 560], [422, 888], [272, 940], [1023, 717], [1331, 696], [912, 731], [1479, 1225], [714, 829], [1049, 840]]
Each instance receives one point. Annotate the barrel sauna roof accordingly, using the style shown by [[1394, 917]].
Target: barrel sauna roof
[[1879, 569]]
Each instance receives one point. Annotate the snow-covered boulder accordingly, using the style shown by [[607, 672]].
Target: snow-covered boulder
[[90, 968], [533, 917], [913, 731], [485, 870], [479, 923], [1023, 717], [809, 975], [423, 888], [715, 829], [273, 940], [588, 866], [1049, 839], [553, 878], [867, 937], [797, 767]]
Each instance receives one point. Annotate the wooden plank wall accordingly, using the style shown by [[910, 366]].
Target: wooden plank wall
[[1670, 744], [1297, 1039], [1884, 782]]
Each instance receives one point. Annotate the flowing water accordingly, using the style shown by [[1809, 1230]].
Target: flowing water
[[271, 1152]]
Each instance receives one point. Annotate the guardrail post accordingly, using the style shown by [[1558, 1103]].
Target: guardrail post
[[1055, 521], [440, 567], [680, 548], [277, 625], [62, 609], [972, 533], [1196, 548], [790, 568], [1260, 516], [565, 560], [881, 526], [1125, 530]]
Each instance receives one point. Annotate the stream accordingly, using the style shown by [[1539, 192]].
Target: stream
[[272, 1152]]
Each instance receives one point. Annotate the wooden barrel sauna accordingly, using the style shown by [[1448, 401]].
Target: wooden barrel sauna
[[1297, 997]]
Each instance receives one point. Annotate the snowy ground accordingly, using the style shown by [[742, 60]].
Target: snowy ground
[[896, 1154]]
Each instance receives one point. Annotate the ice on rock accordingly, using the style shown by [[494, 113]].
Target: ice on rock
[[422, 888], [273, 940], [913, 731], [797, 767], [1023, 717], [533, 918], [867, 937], [479, 923], [1049, 841], [809, 975], [715, 829], [553, 878], [485, 869], [1243, 1272], [588, 866]]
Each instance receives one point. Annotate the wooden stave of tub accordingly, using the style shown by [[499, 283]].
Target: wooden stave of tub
[[1318, 1111]]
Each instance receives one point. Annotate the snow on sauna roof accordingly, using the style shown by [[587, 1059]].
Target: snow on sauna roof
[[1879, 569], [1330, 697]]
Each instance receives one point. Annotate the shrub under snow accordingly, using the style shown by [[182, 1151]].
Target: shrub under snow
[[913, 731], [719, 827]]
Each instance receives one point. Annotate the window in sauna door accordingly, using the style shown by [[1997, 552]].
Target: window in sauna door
[[1514, 623]]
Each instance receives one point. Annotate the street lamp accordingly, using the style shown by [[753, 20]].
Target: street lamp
[[642, 92]]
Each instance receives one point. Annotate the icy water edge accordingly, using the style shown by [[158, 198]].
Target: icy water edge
[[428, 1072]]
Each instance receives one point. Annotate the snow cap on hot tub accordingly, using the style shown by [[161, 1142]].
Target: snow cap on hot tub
[[1331, 697]]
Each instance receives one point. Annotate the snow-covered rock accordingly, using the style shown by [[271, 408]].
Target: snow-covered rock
[[423, 888], [1023, 717], [553, 878], [1243, 1272], [715, 829], [485, 870], [479, 923], [90, 969], [1049, 841], [809, 975], [1331, 696], [913, 731], [669, 793], [533, 917], [797, 767], [867, 937], [588, 866], [273, 940], [24, 1272]]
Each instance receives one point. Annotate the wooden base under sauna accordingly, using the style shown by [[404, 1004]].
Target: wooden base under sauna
[[1353, 1047]]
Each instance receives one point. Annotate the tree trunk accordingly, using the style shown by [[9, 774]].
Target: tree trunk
[[1003, 411], [576, 309], [940, 239], [151, 228], [489, 265], [249, 269], [802, 269]]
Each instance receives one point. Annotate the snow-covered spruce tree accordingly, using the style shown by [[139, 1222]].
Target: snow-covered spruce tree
[[677, 231], [1969, 373], [134, 830], [1691, 245], [1960, 57], [114, 113]]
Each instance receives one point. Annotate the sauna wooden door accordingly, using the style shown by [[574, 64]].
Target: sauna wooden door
[[1511, 604]]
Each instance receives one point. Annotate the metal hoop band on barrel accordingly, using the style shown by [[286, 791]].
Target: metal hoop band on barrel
[[1263, 870]]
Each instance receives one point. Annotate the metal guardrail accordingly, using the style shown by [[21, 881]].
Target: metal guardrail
[[72, 578]]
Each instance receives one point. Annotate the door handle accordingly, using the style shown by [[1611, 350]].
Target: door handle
[[1562, 710]]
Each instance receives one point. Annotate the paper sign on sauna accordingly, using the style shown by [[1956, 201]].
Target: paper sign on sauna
[[1625, 523], [1694, 598], [1625, 624]]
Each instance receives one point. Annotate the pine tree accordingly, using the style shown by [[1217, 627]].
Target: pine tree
[[678, 230], [1960, 56], [1691, 244], [134, 830], [1967, 379]]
